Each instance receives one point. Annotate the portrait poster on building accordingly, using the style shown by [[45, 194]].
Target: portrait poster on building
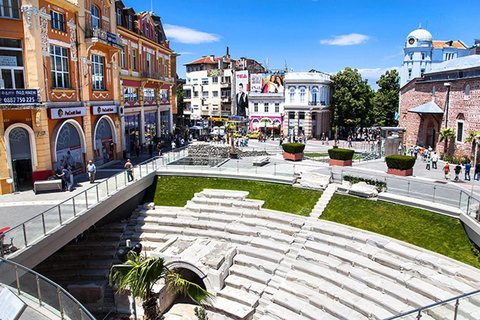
[[273, 83], [241, 96]]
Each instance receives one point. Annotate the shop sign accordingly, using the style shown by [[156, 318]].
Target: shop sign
[[96, 110], [8, 61], [13, 96], [62, 113]]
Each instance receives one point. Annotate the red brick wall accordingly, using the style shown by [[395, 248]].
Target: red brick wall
[[417, 93]]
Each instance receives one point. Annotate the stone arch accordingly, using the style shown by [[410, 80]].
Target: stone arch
[[83, 141], [33, 146], [188, 266], [112, 127]]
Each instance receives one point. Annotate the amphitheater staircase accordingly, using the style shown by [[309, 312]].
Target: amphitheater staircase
[[292, 267], [322, 203]]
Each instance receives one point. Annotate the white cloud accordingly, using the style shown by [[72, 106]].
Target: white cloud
[[346, 40], [187, 35], [374, 73]]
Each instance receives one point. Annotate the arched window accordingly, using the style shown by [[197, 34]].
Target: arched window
[[302, 95], [292, 95], [95, 17], [433, 92], [314, 96], [467, 92]]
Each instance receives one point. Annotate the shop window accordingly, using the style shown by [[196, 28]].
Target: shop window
[[57, 20], [10, 9], [130, 94], [255, 107], [459, 133], [123, 60], [98, 73], [95, 16], [148, 94], [265, 107], [12, 69], [59, 67]]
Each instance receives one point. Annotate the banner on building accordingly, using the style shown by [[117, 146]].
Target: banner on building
[[241, 89], [96, 110], [256, 82], [63, 113]]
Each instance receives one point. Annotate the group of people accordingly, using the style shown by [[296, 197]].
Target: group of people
[[467, 167]]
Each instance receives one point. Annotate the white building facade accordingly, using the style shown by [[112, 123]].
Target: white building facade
[[307, 109], [266, 111]]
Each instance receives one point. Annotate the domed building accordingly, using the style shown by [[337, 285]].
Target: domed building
[[421, 52]]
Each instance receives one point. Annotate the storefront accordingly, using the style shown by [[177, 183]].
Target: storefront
[[266, 124], [104, 139], [132, 130], [150, 127], [165, 128]]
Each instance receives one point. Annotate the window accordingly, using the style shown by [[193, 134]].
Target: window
[[119, 16], [95, 17], [12, 70], [59, 67], [302, 95], [147, 63], [123, 60], [134, 59], [204, 81], [265, 107], [314, 96], [147, 30], [433, 92], [148, 94], [160, 66], [409, 73], [215, 94], [214, 79], [467, 92], [292, 95], [255, 107], [130, 94], [277, 107], [10, 9], [422, 72], [459, 135], [165, 67], [226, 79], [205, 94], [98, 81], [57, 20], [195, 81], [130, 23], [195, 94]]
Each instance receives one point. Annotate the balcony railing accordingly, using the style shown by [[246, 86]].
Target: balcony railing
[[317, 103], [152, 75], [41, 291], [104, 36]]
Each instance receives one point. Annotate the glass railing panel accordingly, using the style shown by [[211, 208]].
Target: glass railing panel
[[111, 185], [49, 294], [473, 208], [70, 307], [79, 203], [102, 190], [464, 202], [91, 196], [446, 195], [34, 226], [66, 208], [13, 240], [28, 283]]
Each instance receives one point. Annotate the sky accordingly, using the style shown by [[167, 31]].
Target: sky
[[310, 34]]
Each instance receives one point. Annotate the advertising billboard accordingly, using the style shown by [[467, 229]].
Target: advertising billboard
[[241, 89]]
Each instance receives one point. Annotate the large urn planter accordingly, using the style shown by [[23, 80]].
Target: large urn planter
[[400, 165], [399, 172], [292, 156], [340, 157], [293, 151], [340, 163]]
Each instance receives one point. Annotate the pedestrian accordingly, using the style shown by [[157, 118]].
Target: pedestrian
[[173, 145], [137, 150], [468, 166], [477, 171], [129, 168], [91, 170], [150, 149], [457, 170], [70, 180], [446, 170], [63, 175], [434, 160], [428, 162], [415, 152], [159, 148]]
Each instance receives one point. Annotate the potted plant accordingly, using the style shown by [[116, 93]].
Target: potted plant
[[340, 157], [293, 151], [400, 165]]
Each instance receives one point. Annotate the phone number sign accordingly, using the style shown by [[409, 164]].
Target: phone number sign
[[15, 96]]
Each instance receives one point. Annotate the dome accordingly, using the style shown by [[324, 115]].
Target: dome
[[420, 35]]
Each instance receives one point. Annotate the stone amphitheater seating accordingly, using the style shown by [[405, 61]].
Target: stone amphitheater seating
[[291, 267]]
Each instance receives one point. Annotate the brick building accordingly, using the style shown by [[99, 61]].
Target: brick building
[[446, 97]]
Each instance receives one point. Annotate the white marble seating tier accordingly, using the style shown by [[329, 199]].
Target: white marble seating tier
[[292, 267]]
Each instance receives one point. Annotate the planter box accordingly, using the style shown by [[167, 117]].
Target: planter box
[[403, 173], [292, 156], [340, 163]]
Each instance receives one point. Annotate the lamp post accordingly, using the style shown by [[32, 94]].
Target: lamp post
[[474, 161]]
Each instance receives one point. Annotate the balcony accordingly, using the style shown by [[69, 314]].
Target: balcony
[[152, 75], [317, 103], [225, 85], [102, 36]]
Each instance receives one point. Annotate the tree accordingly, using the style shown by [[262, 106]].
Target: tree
[[180, 103], [352, 96], [138, 275], [385, 101], [446, 135], [472, 137]]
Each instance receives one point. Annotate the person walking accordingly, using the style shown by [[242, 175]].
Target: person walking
[[446, 170], [91, 170], [129, 168], [434, 160], [477, 171], [428, 160], [150, 149], [468, 167], [137, 150], [457, 170], [159, 148], [70, 181], [63, 175]]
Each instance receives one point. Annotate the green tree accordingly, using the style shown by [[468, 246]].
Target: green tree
[[180, 103], [138, 275], [447, 134], [352, 96], [385, 101], [472, 137]]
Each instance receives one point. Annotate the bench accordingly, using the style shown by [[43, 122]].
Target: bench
[[47, 185], [260, 161]]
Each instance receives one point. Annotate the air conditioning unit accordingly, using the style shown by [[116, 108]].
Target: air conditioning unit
[[120, 111]]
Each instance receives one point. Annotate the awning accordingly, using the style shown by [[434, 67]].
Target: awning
[[195, 128], [430, 107]]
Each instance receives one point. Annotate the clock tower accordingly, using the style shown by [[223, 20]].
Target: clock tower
[[417, 55]]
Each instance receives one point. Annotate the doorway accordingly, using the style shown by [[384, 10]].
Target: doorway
[[431, 132], [21, 156], [22, 174]]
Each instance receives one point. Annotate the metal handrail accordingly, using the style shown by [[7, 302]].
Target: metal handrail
[[419, 310], [80, 308]]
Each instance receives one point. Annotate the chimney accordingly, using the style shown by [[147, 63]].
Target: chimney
[[227, 56], [212, 56]]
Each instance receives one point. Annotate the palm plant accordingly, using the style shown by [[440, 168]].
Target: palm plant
[[446, 134], [472, 137], [138, 275]]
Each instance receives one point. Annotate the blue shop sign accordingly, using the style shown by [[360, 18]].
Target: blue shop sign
[[18, 96], [111, 38]]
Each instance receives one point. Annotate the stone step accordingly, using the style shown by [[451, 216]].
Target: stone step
[[238, 295], [108, 236], [245, 284], [260, 253], [223, 194], [91, 246], [74, 264], [235, 309], [73, 275], [259, 264], [84, 255], [239, 204], [250, 273], [112, 227]]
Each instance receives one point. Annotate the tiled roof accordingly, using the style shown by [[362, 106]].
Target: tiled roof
[[208, 60], [438, 44]]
